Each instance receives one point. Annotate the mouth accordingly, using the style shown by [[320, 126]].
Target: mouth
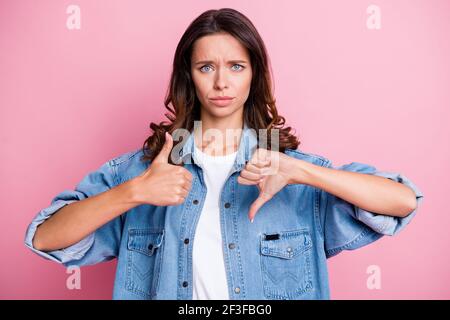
[[222, 101]]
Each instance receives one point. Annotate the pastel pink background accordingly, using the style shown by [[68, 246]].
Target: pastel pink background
[[71, 100]]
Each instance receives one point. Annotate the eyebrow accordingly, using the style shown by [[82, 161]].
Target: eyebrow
[[212, 62]]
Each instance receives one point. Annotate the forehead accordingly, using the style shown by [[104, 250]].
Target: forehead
[[217, 47]]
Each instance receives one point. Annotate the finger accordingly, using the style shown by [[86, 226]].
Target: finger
[[188, 176], [187, 183], [260, 156], [258, 170], [242, 180], [250, 175], [257, 204], [187, 187], [185, 173], [183, 193], [260, 163], [163, 155], [180, 199]]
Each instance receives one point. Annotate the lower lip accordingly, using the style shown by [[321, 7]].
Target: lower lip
[[221, 103]]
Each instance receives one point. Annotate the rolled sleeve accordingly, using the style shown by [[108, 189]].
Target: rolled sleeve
[[391, 225], [97, 246], [348, 227], [65, 255]]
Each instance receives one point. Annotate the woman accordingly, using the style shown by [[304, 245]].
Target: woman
[[180, 214]]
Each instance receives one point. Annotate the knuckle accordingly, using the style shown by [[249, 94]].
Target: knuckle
[[180, 170], [177, 199]]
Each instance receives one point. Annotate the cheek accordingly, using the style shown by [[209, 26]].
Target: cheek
[[244, 85], [201, 86]]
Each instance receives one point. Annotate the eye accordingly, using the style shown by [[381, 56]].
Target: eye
[[242, 67], [202, 69]]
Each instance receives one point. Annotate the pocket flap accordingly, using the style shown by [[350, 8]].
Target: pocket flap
[[286, 244], [145, 241]]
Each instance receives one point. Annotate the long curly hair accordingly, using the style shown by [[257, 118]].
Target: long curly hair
[[181, 101]]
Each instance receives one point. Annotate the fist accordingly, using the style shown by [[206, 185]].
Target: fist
[[270, 171], [163, 184]]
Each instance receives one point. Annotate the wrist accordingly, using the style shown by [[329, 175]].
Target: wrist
[[302, 172], [132, 191]]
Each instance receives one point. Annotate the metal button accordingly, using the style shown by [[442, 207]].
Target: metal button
[[289, 249], [231, 246], [227, 205], [150, 247], [186, 241], [185, 284], [237, 289], [195, 201]]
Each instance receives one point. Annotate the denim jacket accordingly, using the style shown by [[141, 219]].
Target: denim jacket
[[281, 255]]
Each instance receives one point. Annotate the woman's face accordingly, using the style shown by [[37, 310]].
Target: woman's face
[[220, 66]]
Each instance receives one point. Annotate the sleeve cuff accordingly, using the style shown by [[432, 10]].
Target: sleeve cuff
[[389, 225], [73, 252]]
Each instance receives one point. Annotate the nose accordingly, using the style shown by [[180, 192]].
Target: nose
[[220, 81]]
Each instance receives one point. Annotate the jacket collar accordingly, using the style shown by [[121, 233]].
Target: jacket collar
[[247, 145]]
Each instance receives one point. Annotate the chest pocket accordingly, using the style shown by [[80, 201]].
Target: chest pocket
[[144, 260], [286, 264]]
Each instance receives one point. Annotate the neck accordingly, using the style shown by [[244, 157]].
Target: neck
[[219, 137]]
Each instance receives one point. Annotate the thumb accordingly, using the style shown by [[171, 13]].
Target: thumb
[[257, 204], [163, 156]]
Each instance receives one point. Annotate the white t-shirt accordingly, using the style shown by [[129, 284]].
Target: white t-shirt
[[209, 276]]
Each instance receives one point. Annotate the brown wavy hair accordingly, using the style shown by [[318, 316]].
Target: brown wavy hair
[[181, 101]]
